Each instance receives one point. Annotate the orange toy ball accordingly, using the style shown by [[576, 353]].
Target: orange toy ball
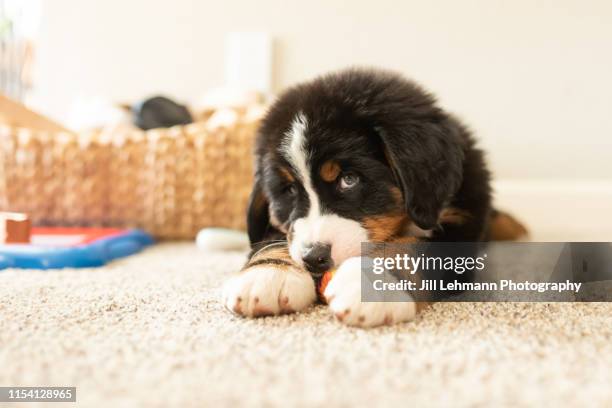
[[327, 276]]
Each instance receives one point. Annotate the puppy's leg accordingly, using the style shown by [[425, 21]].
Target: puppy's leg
[[504, 227], [343, 294], [269, 284]]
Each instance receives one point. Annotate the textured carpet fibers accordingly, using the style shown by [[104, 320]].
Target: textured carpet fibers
[[149, 331]]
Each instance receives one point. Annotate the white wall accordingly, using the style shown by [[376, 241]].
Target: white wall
[[532, 78]]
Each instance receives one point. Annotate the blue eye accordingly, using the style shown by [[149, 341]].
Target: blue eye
[[348, 181]]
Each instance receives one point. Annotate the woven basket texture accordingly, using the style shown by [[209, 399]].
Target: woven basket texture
[[170, 182]]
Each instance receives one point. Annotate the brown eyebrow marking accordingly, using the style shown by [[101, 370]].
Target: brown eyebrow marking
[[286, 174], [330, 170]]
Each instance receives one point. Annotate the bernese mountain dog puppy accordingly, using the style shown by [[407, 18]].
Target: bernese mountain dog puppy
[[355, 156]]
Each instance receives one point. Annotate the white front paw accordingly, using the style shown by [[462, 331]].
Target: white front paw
[[344, 297], [269, 290]]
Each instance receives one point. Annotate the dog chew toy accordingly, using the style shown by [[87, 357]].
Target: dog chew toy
[[327, 276], [55, 248]]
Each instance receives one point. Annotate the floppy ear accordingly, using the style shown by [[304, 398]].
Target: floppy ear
[[427, 160], [258, 215]]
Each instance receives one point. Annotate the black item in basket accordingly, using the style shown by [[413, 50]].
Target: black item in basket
[[160, 112]]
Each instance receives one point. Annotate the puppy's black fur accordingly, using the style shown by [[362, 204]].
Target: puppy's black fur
[[390, 132]]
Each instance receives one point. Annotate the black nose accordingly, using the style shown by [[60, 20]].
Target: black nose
[[317, 259]]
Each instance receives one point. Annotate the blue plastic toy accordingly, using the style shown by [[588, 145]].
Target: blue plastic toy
[[53, 248]]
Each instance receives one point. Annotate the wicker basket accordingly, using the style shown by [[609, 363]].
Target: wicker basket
[[170, 182]]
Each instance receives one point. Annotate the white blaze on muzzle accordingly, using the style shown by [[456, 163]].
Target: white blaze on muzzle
[[344, 235]]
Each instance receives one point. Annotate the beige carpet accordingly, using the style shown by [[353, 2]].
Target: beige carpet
[[148, 331]]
